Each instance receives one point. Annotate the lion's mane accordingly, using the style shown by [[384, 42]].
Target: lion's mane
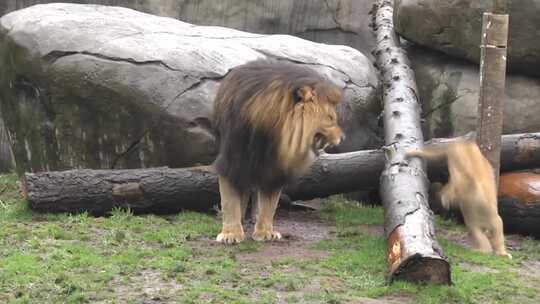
[[265, 137]]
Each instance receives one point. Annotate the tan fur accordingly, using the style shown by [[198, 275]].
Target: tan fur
[[264, 228], [471, 188], [295, 126], [231, 206], [297, 120]]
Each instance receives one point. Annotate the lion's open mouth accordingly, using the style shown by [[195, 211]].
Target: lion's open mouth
[[319, 143]]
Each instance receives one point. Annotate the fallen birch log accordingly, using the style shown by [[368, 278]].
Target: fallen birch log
[[413, 253]]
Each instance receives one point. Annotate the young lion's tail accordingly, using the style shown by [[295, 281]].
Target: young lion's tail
[[429, 153]]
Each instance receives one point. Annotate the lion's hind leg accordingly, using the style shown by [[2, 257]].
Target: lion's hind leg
[[496, 237], [479, 239], [231, 206], [446, 195], [264, 227]]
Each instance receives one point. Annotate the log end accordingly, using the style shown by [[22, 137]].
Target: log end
[[423, 266], [24, 187], [422, 269]]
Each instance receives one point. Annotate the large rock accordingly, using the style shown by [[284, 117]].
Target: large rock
[[454, 27], [449, 93], [328, 21], [98, 87], [6, 159]]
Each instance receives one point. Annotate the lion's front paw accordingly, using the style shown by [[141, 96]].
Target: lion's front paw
[[266, 235], [230, 237]]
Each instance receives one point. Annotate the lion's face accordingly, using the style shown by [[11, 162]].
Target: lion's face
[[311, 126], [300, 120], [323, 116]]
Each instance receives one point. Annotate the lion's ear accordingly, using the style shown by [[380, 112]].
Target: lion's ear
[[304, 94]]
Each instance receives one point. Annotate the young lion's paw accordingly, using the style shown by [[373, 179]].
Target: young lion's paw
[[230, 237], [266, 235], [505, 254]]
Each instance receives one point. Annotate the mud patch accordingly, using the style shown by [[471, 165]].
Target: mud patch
[[147, 286], [531, 270], [513, 242], [300, 230], [377, 230], [477, 268], [304, 226], [280, 250], [384, 300]]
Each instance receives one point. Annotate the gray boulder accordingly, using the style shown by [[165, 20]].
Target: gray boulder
[[327, 21], [454, 27], [448, 90], [109, 87], [6, 159]]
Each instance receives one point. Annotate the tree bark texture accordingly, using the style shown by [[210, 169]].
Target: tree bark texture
[[413, 252], [165, 190], [519, 202], [159, 190], [492, 79]]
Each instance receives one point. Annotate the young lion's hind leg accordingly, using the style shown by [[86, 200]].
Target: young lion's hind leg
[[232, 202], [446, 195], [479, 239], [496, 238], [264, 227]]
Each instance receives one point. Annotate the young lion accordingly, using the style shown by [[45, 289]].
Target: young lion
[[271, 120], [472, 188]]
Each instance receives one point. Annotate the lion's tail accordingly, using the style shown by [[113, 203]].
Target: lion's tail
[[429, 153]]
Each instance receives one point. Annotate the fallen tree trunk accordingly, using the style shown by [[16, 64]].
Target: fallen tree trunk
[[165, 190], [413, 251], [159, 190], [519, 202]]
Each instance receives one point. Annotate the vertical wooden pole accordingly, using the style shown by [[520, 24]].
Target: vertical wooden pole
[[492, 81]]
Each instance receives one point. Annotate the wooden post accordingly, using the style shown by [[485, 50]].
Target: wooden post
[[492, 81], [500, 7]]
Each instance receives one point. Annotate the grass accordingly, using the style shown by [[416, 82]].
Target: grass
[[126, 258]]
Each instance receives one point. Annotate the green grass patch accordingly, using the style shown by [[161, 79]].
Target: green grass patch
[[348, 213], [358, 260], [62, 258]]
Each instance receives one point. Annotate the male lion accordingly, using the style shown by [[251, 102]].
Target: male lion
[[271, 120], [471, 187]]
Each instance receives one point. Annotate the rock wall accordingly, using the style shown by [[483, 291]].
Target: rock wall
[[328, 21], [109, 87], [449, 90], [454, 27]]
